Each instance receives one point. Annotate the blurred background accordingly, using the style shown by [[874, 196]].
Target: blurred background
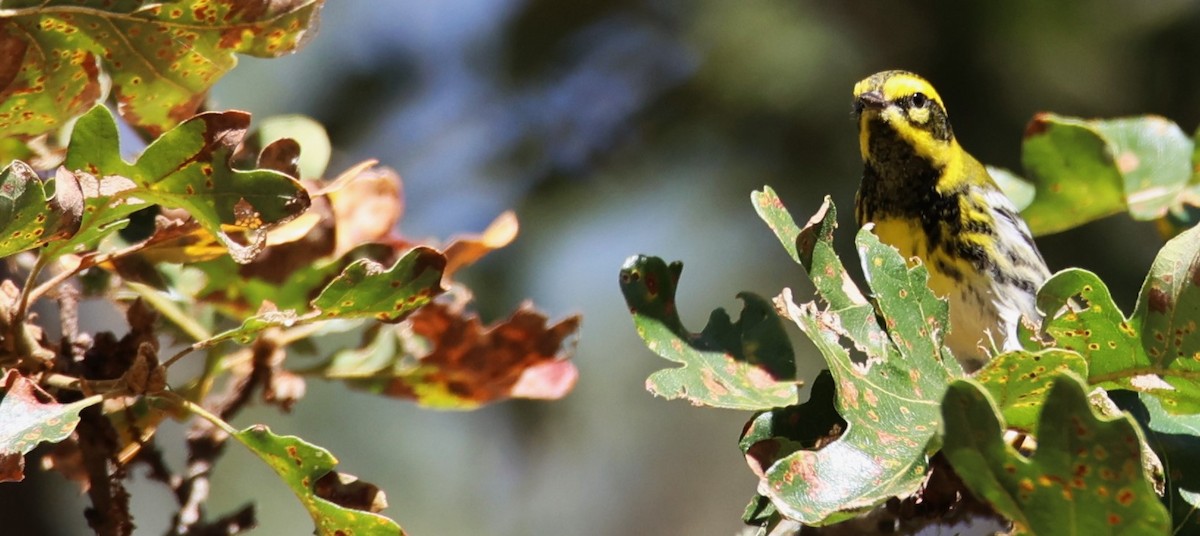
[[641, 126]]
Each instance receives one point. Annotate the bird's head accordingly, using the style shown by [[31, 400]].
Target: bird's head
[[906, 108]]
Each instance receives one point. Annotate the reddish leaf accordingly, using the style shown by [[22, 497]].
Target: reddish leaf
[[467, 364]]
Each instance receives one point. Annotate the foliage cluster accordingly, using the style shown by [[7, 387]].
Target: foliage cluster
[[1089, 429], [214, 241]]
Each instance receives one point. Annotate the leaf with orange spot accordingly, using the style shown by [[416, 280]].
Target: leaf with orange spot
[[1019, 381], [304, 467], [29, 417], [1086, 476], [457, 363], [889, 381], [363, 289], [1157, 349], [186, 168], [33, 212], [161, 58], [748, 364], [1083, 170]]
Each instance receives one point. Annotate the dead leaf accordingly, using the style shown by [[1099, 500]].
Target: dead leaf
[[521, 356], [469, 249], [366, 208]]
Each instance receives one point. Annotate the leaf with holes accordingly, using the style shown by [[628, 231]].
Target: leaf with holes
[[1157, 349], [460, 364], [161, 58], [1083, 170], [748, 364], [774, 434], [36, 213], [26, 420], [889, 397], [302, 467], [1019, 381], [187, 168], [1086, 476]]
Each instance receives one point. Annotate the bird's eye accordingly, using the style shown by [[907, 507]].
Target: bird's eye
[[919, 100]]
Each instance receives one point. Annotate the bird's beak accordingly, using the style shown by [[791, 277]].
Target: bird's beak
[[871, 100]]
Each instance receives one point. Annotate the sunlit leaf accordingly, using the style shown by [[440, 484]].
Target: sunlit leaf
[[461, 364], [302, 465], [27, 420], [364, 289], [1086, 476], [889, 394], [33, 213], [161, 57], [748, 364], [1019, 381], [368, 289], [1085, 170], [1157, 349], [187, 168]]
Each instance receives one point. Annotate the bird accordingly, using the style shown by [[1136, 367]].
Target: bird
[[930, 199]]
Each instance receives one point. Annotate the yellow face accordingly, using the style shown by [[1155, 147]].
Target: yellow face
[[910, 106]]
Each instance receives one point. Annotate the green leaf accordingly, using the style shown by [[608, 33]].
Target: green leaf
[[161, 58], [1019, 381], [1086, 170], [301, 464], [365, 289], [185, 168], [1018, 190], [33, 213], [26, 421], [771, 435], [1176, 442], [1157, 349], [1086, 476], [748, 364], [889, 395]]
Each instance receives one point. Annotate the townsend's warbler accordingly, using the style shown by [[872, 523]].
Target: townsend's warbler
[[930, 199]]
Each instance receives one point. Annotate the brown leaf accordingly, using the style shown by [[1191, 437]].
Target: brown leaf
[[348, 491], [367, 208], [281, 155], [521, 356], [468, 249], [68, 200]]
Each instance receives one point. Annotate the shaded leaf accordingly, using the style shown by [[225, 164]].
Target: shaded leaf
[[748, 364], [33, 213], [161, 57], [1019, 381], [459, 363], [771, 435], [1086, 170], [185, 168], [302, 465], [889, 396], [1086, 476], [29, 417], [1157, 349]]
